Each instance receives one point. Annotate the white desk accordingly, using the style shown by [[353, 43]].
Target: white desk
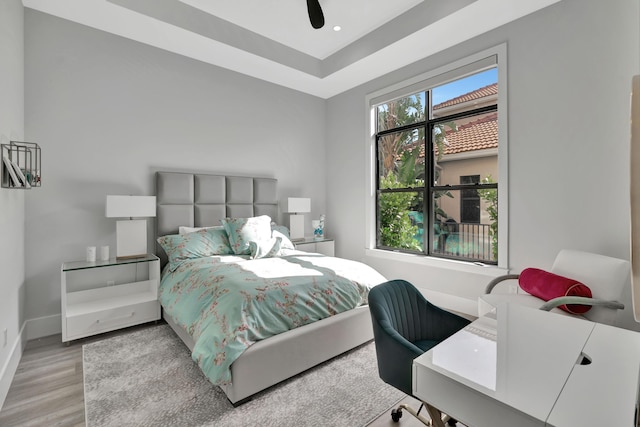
[[530, 373]]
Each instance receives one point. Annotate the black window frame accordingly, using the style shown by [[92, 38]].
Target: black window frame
[[429, 188]]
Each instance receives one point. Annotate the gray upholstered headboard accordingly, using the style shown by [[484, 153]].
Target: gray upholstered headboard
[[199, 200]]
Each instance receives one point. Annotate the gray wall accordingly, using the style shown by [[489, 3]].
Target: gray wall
[[12, 266], [108, 112], [569, 79]]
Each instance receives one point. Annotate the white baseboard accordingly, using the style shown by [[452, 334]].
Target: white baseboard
[[43, 327], [30, 330], [11, 366]]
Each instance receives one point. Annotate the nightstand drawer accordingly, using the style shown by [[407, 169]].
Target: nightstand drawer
[[323, 246], [111, 319], [102, 296]]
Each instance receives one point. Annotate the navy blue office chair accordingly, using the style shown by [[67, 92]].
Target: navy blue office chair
[[405, 325]]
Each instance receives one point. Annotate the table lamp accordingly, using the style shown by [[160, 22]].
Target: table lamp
[[131, 234], [297, 206]]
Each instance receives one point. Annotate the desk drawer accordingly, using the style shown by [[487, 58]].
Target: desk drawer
[[111, 319], [470, 407]]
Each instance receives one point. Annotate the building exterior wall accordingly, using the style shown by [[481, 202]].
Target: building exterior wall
[[451, 172]]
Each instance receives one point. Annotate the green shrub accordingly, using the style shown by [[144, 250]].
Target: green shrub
[[396, 228]]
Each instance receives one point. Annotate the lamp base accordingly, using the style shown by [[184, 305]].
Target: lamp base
[[120, 258], [131, 236], [296, 227]]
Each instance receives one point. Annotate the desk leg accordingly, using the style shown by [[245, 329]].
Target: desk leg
[[436, 416], [413, 412], [437, 420]]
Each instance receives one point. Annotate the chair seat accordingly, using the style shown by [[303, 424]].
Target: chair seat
[[488, 302]]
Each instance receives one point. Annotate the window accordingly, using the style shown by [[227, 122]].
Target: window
[[436, 156], [470, 200]]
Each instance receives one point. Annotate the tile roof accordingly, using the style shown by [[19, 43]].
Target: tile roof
[[489, 90], [479, 134]]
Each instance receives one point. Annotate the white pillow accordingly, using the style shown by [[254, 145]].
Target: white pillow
[[265, 248], [186, 230], [241, 231], [285, 242]]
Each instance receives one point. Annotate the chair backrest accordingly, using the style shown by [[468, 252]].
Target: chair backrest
[[405, 325], [605, 276], [397, 304], [395, 318]]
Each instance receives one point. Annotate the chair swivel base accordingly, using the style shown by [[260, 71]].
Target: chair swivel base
[[437, 417]]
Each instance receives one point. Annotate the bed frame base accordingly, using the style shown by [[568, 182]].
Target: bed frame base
[[275, 359], [201, 199]]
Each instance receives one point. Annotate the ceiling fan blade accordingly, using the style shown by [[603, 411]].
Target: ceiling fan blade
[[315, 14]]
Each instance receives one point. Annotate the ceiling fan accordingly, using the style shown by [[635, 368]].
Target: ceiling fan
[[315, 14]]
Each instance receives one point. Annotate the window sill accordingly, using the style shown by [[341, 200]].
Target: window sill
[[462, 266]]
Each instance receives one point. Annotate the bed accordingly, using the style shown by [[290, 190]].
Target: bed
[[199, 200]]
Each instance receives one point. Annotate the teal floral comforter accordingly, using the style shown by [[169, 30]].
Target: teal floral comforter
[[226, 303]]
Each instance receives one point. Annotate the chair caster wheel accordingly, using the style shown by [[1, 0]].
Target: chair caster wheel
[[452, 422], [396, 415]]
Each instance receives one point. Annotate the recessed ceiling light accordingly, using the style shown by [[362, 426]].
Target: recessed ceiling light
[[337, 28]]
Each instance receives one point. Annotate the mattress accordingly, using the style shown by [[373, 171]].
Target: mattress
[[227, 303]]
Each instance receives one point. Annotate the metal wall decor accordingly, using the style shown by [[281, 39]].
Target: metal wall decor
[[20, 165]]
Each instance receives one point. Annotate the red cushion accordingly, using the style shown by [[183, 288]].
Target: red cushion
[[547, 286]]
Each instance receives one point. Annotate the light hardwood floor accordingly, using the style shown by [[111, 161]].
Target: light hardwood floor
[[47, 390]]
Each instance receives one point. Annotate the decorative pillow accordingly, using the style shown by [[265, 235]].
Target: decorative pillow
[[199, 244], [285, 241], [547, 286], [280, 228], [185, 230], [241, 231], [265, 248]]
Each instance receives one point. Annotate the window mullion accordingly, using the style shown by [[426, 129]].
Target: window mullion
[[399, 129], [465, 187], [428, 180]]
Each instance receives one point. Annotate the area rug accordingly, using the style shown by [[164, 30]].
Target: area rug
[[147, 378]]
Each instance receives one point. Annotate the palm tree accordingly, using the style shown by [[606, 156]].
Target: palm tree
[[402, 165], [394, 114]]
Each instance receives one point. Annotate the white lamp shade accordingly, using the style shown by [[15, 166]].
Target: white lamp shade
[[298, 205], [131, 206]]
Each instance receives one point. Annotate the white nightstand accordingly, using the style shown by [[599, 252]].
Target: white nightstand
[[324, 246], [102, 296]]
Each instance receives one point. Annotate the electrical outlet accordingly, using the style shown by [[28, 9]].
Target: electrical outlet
[[4, 340], [110, 283]]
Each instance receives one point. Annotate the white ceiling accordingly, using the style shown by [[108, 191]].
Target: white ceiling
[[287, 21], [273, 40]]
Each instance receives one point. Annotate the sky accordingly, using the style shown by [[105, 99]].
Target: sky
[[458, 87], [462, 86]]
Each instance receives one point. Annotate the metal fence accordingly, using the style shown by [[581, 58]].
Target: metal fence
[[465, 240]]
